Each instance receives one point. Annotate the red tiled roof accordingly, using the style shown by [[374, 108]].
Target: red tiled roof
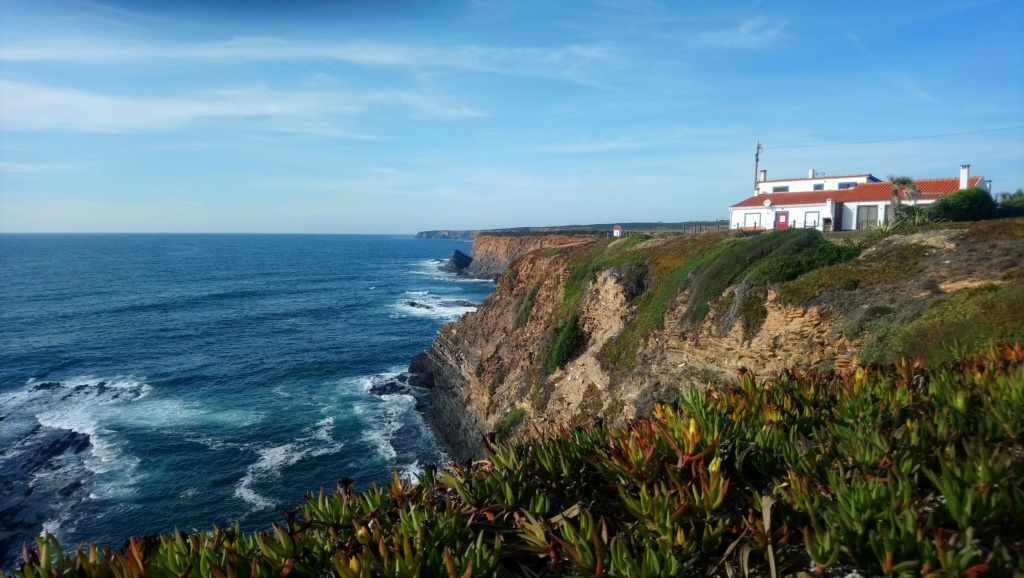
[[818, 177], [785, 199], [863, 192], [948, 185]]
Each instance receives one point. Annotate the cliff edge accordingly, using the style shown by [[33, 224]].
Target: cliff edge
[[578, 330], [491, 254]]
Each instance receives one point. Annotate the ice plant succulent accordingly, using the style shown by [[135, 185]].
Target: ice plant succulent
[[894, 471]]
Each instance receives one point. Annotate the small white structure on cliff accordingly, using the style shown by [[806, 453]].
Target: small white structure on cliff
[[617, 231], [834, 203]]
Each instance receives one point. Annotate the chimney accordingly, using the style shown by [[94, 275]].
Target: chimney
[[764, 175], [965, 176], [810, 174], [988, 186]]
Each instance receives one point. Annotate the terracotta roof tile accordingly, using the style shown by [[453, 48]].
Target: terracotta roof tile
[[948, 185], [864, 192]]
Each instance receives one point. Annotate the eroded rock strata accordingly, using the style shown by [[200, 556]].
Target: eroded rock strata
[[491, 362]]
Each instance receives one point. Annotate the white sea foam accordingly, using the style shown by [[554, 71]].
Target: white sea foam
[[434, 307], [85, 407], [316, 442]]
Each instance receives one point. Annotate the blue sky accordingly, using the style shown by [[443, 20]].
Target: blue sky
[[397, 116]]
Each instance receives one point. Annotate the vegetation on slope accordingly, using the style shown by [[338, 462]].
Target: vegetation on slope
[[707, 268], [895, 472]]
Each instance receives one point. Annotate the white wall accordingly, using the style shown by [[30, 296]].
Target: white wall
[[850, 211], [804, 216], [807, 185]]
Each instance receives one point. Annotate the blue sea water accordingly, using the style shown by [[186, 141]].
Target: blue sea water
[[153, 382]]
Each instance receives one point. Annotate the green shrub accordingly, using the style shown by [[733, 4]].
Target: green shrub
[[890, 265], [496, 380], [1011, 205], [509, 423], [569, 339], [764, 258], [522, 316], [965, 205]]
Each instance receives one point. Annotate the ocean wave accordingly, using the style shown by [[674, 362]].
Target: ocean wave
[[316, 442], [435, 307]]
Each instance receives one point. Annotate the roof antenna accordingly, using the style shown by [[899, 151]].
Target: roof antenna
[[757, 159]]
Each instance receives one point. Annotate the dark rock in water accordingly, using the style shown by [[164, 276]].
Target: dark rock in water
[[417, 305], [419, 374], [401, 384], [70, 488], [458, 303], [388, 387], [457, 263], [71, 440], [47, 385]]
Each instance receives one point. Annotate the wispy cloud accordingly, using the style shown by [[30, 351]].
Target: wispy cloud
[[556, 61], [751, 33], [35, 107], [40, 168], [598, 146], [909, 87]]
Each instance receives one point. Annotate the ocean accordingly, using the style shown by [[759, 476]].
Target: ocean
[[154, 382]]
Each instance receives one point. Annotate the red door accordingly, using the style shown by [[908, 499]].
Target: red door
[[782, 220]]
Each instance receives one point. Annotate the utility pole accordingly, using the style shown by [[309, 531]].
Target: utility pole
[[757, 159]]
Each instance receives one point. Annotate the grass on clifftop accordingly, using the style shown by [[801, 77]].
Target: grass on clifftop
[[901, 471], [706, 265], [972, 318]]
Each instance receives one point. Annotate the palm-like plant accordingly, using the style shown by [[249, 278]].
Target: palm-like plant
[[903, 188]]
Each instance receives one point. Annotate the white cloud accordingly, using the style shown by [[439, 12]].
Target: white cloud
[[35, 107], [751, 33], [559, 61]]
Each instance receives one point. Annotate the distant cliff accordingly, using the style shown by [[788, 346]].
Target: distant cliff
[[581, 328], [462, 235]]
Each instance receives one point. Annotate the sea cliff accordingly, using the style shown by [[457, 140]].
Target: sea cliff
[[583, 329]]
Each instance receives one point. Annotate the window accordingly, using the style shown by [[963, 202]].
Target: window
[[847, 185], [811, 219], [867, 217], [780, 189], [752, 219], [819, 187]]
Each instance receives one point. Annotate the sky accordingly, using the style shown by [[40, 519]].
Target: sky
[[395, 116]]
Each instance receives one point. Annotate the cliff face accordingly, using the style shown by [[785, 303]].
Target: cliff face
[[492, 361], [492, 255]]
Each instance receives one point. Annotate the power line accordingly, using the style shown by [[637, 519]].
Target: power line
[[835, 144]]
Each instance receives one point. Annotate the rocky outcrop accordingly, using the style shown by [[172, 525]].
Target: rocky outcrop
[[492, 255], [490, 362], [458, 263], [457, 426]]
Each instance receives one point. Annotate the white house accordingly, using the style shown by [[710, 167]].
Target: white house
[[813, 182], [862, 206]]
